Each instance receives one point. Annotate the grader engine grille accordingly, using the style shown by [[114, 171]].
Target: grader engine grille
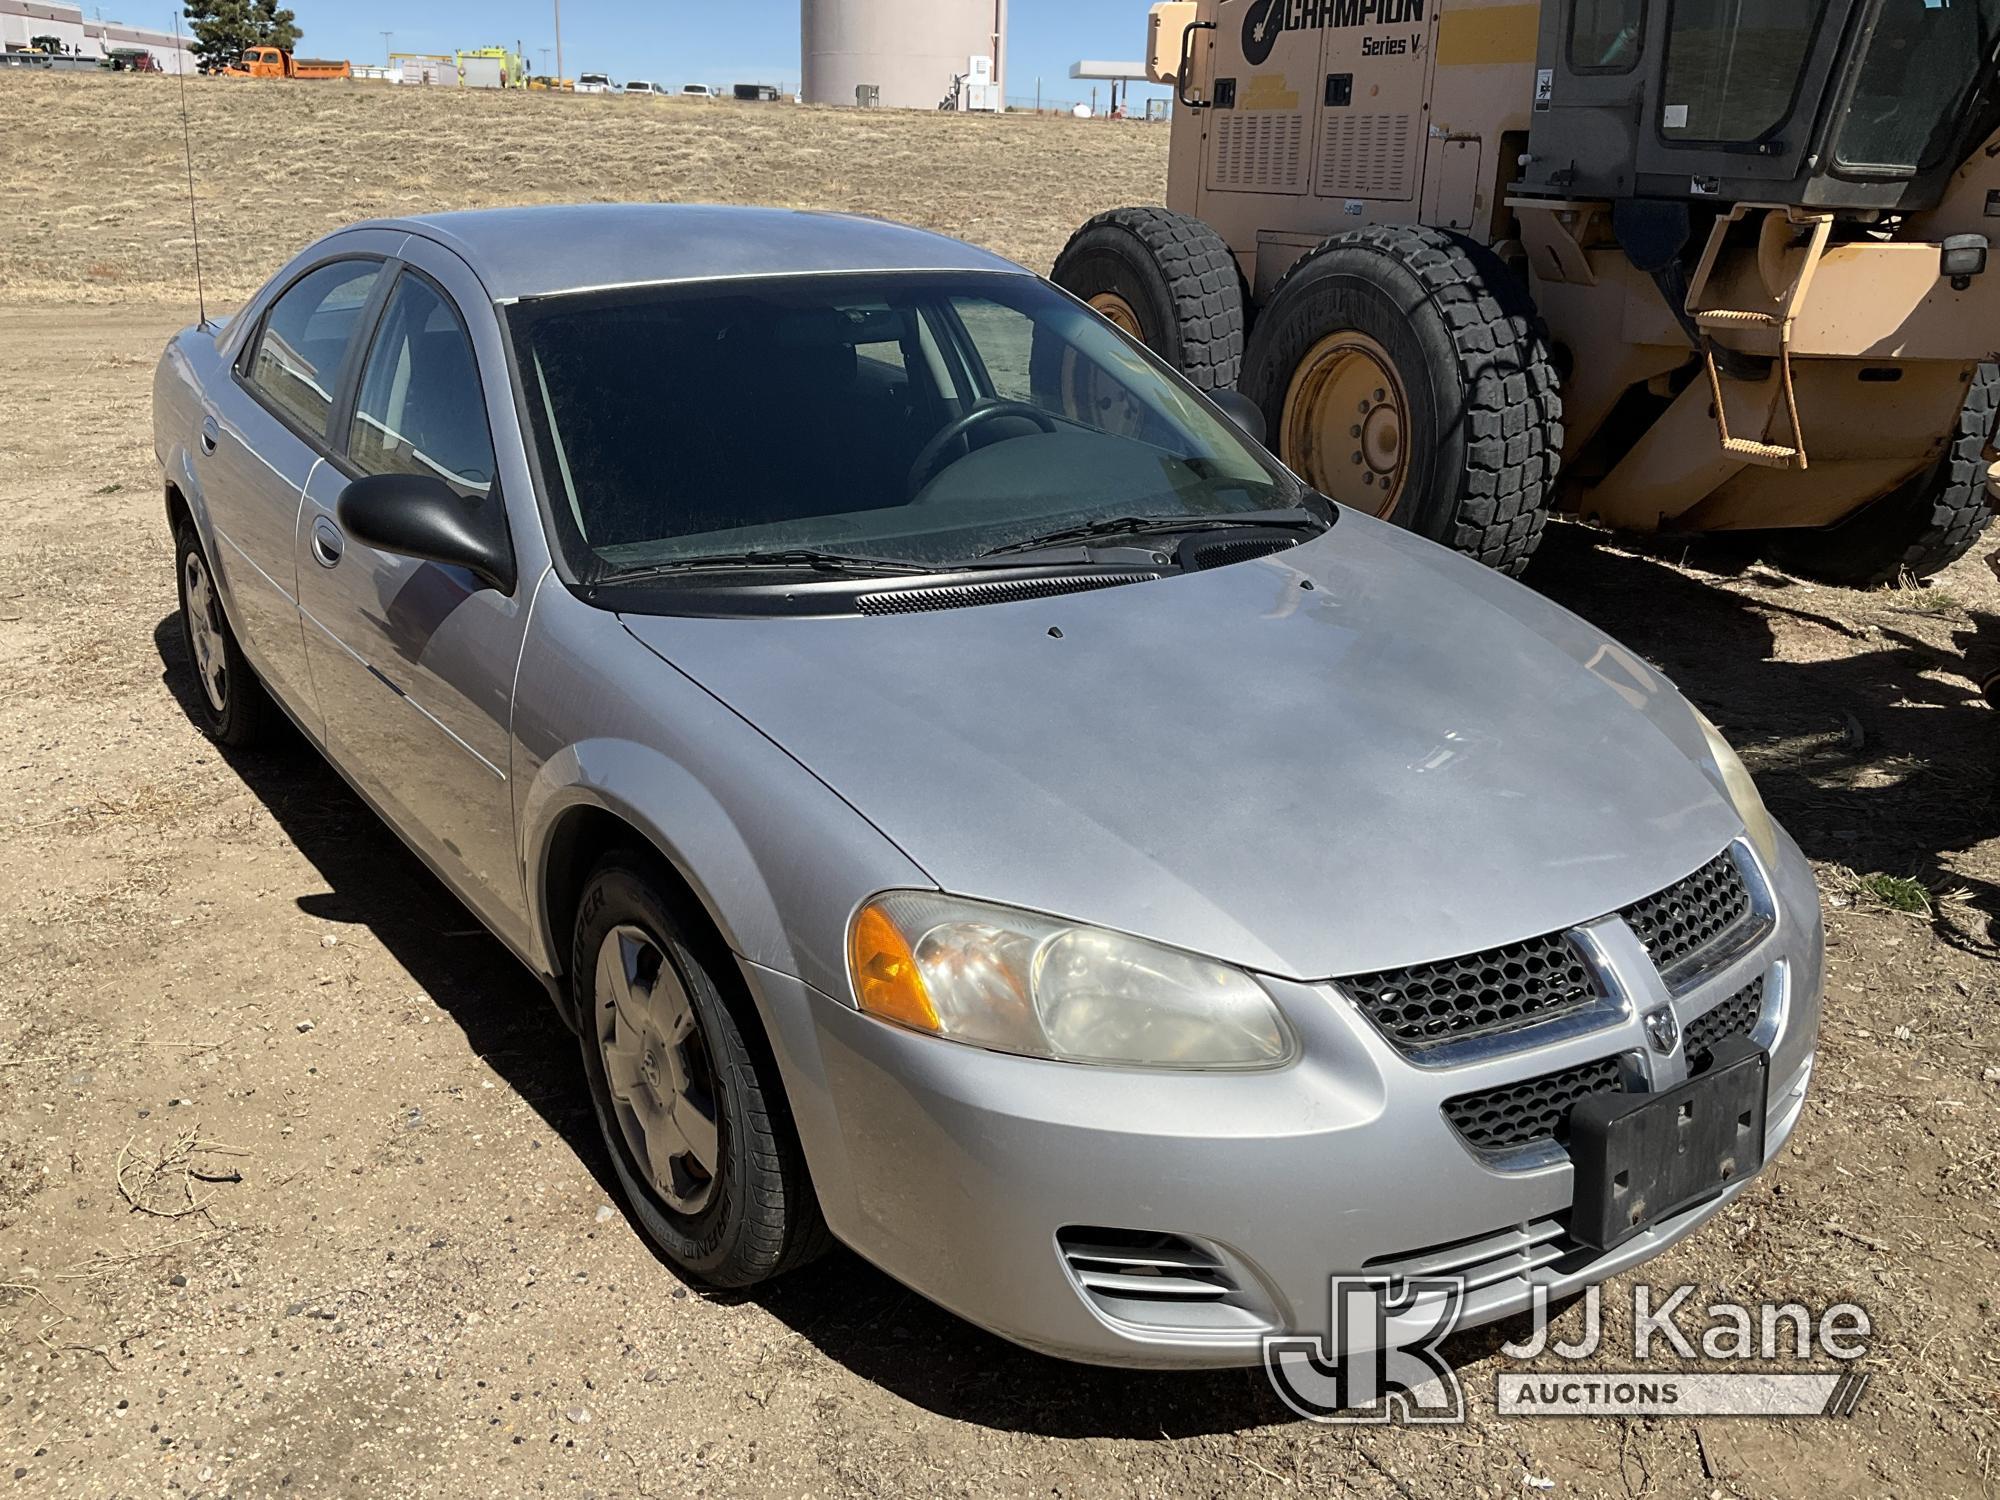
[[1260, 152], [1365, 156]]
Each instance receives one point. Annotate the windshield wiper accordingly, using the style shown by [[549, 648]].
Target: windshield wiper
[[776, 557], [1289, 518]]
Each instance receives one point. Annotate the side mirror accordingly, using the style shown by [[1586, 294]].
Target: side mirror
[[416, 515], [1241, 410]]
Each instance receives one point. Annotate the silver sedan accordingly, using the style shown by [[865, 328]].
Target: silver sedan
[[970, 801]]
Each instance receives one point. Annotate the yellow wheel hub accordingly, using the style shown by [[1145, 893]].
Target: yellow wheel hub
[[1114, 307], [1345, 427]]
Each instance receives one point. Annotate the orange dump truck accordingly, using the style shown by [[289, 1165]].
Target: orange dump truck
[[273, 62]]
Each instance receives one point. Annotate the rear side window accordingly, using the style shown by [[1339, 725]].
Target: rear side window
[[421, 410], [1604, 35], [305, 338]]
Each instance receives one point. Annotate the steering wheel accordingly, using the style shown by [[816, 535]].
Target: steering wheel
[[958, 427]]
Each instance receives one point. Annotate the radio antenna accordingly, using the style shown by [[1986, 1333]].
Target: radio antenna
[[187, 146]]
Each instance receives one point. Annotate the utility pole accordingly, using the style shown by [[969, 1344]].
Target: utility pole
[[559, 65], [385, 47]]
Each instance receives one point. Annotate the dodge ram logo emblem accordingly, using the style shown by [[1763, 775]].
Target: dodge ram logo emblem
[[1662, 1030]]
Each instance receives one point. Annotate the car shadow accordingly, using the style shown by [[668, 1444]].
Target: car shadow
[[374, 881], [896, 1339]]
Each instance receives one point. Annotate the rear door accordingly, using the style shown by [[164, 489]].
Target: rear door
[[264, 429], [414, 661]]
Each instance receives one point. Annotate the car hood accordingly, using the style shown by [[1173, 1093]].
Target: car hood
[[1363, 752]]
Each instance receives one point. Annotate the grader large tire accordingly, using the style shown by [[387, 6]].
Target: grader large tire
[[1917, 530], [1166, 279], [1403, 371]]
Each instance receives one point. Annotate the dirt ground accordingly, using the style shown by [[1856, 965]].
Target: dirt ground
[[299, 1190]]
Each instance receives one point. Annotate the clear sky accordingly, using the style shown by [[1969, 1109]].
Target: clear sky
[[689, 41]]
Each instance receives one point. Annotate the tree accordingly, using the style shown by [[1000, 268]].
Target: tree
[[225, 29]]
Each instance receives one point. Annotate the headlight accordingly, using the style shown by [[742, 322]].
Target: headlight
[[1741, 791], [1017, 982]]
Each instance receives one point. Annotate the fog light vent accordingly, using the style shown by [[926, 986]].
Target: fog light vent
[[1159, 1280]]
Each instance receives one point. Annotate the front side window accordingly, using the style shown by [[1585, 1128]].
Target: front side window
[[298, 354], [1733, 67], [1924, 59], [919, 418], [1604, 35], [420, 409]]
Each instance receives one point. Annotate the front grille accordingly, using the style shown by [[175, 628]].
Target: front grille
[[1535, 1109], [1003, 591], [1736, 1016], [1159, 1280], [1693, 915], [1483, 992]]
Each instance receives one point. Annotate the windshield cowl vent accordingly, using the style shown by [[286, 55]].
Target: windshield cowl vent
[[1002, 591], [1197, 554]]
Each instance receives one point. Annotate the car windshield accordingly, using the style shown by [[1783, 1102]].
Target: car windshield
[[922, 419]]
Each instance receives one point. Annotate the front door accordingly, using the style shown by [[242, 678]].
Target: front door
[[413, 662]]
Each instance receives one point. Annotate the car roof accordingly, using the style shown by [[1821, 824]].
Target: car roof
[[549, 249]]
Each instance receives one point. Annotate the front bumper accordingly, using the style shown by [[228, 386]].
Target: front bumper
[[992, 1184]]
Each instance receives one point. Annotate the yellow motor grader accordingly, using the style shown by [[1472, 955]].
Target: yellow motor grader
[[1669, 265]]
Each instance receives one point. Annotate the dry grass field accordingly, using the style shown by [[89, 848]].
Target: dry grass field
[[298, 1186], [98, 183]]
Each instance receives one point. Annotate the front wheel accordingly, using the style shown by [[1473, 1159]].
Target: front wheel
[[1403, 372], [687, 1099]]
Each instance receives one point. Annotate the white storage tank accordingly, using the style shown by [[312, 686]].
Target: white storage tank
[[909, 49]]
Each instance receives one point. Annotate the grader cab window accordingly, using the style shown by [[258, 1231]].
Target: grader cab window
[[1924, 59], [1605, 35], [1733, 68]]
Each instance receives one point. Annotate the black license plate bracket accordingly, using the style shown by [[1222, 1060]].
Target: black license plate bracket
[[1640, 1158]]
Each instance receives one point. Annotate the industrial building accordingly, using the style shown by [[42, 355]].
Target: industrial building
[[910, 53], [21, 21]]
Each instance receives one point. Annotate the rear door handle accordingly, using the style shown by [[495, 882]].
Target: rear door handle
[[327, 542], [211, 434]]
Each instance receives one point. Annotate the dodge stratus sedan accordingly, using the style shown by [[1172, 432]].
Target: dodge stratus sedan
[[970, 801]]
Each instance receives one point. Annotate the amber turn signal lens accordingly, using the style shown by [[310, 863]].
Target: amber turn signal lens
[[886, 981]]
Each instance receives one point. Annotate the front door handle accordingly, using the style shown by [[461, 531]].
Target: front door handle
[[211, 434], [327, 542]]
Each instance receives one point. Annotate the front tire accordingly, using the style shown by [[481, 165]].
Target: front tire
[[686, 1096], [1916, 530], [229, 701], [1166, 279], [1403, 371]]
